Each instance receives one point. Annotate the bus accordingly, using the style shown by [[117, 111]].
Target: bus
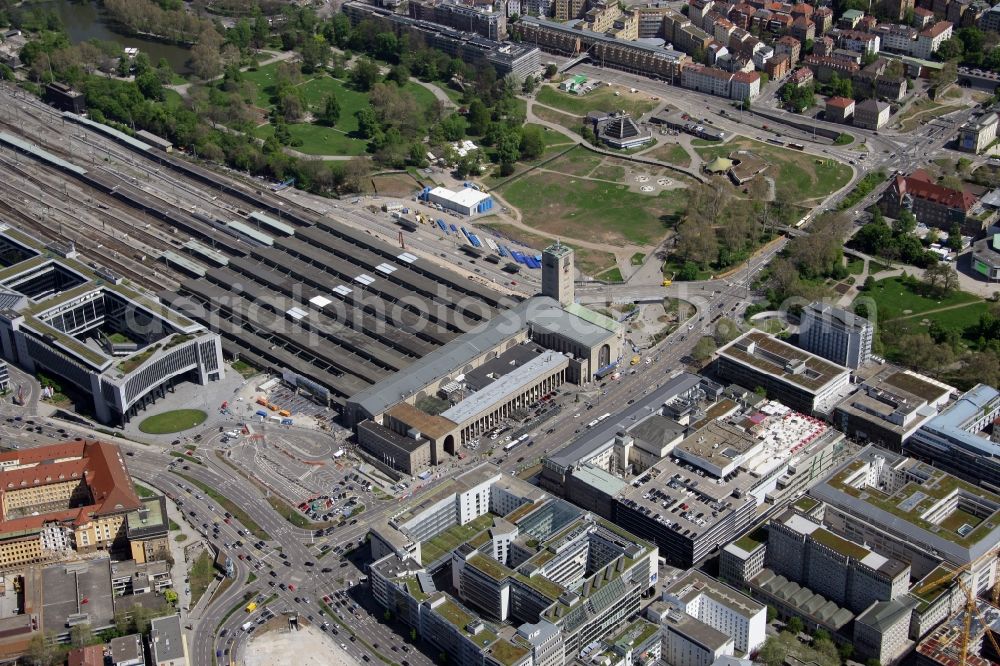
[[592, 423], [510, 446], [603, 416], [796, 146], [799, 224]]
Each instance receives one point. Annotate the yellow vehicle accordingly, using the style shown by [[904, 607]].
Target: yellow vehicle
[[252, 606], [635, 360], [667, 283]]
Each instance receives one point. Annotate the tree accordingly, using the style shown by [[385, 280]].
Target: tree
[[868, 285], [773, 653], [43, 650], [704, 348], [170, 596], [331, 111], [950, 49], [478, 117], [955, 237], [365, 74], [551, 70], [532, 142], [81, 635], [726, 330], [795, 625], [399, 74], [529, 84], [206, 58], [453, 127], [772, 613], [840, 87]]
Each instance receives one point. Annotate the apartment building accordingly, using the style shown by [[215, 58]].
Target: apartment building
[[789, 46], [930, 39], [839, 109], [824, 67], [803, 29], [484, 20], [858, 41], [714, 81], [871, 114]]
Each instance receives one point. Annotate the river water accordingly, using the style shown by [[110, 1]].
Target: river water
[[84, 21]]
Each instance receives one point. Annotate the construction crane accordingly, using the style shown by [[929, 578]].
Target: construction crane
[[970, 607]]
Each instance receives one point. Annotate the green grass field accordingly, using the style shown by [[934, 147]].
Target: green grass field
[[444, 542], [671, 154], [637, 259], [572, 123], [173, 421], [601, 99], [799, 177], [893, 300], [855, 266], [558, 204], [202, 572], [612, 275], [318, 139]]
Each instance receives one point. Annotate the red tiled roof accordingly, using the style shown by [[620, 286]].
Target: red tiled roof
[[936, 29], [788, 39], [91, 655], [802, 74], [920, 11], [920, 185], [746, 77], [98, 464], [840, 102]]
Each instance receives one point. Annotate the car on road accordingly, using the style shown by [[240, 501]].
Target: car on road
[[326, 570]]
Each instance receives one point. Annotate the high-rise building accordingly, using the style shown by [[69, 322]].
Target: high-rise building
[[836, 334], [557, 273]]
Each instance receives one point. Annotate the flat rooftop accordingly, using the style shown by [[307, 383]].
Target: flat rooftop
[[66, 585], [694, 584], [902, 504], [767, 354], [600, 437], [513, 383]]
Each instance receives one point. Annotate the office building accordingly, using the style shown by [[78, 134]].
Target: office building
[[127, 651], [721, 607], [889, 406], [907, 510], [930, 39], [167, 643], [63, 498], [485, 20], [976, 134], [803, 381], [564, 578], [836, 334], [88, 327], [846, 573], [622, 133], [839, 109], [986, 256], [507, 59], [639, 57], [871, 114], [687, 469], [933, 204], [954, 440]]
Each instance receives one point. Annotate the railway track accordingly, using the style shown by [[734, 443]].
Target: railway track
[[107, 244]]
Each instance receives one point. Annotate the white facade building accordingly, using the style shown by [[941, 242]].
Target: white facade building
[[722, 608]]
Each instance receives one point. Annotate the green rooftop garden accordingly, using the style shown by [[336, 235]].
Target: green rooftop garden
[[842, 546], [805, 504], [449, 539], [450, 611], [413, 585], [938, 486], [636, 633], [937, 583], [543, 585], [507, 652], [489, 566], [480, 539], [752, 539]]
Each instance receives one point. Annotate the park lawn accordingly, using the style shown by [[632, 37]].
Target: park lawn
[[799, 177], [637, 259], [957, 319], [590, 262], [572, 123], [552, 137], [601, 99], [318, 139], [263, 80], [602, 212], [893, 300], [172, 99], [671, 154], [855, 266], [173, 421]]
